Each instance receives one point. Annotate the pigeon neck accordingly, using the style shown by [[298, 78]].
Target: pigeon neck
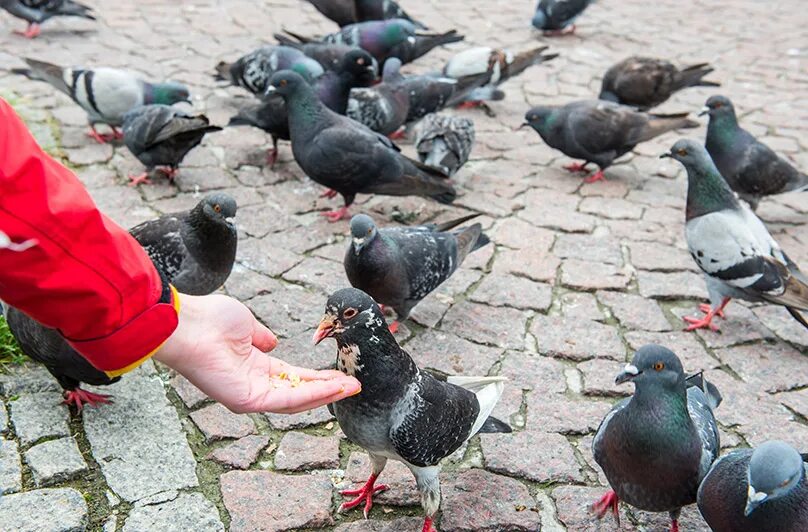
[[375, 360], [707, 191], [307, 105], [653, 397], [722, 128], [211, 243], [333, 90]]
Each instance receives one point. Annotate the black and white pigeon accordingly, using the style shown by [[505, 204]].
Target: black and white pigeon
[[252, 71], [760, 490], [598, 131], [400, 266], [347, 157], [356, 69], [444, 141], [557, 17], [656, 446], [751, 168], [345, 12], [106, 94], [736, 253], [161, 135], [383, 39], [499, 65], [646, 82], [194, 249], [35, 12], [402, 412]]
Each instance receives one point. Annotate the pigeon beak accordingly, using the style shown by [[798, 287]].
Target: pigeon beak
[[325, 329], [358, 244], [666, 155], [231, 220], [271, 89], [753, 500], [628, 373], [522, 126], [704, 111]]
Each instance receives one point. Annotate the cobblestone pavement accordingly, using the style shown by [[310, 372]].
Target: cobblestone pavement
[[579, 276]]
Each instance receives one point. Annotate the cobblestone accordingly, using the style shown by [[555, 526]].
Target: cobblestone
[[55, 460], [39, 415]]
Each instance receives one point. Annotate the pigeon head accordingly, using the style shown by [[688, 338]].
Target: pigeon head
[[397, 30], [219, 208], [654, 366], [690, 153], [774, 470], [539, 19], [363, 231], [391, 70], [352, 317], [169, 93], [539, 118], [717, 107], [359, 65], [286, 83]]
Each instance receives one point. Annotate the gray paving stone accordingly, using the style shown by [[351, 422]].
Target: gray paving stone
[[3, 418], [497, 326], [217, 422], [138, 440], [38, 415], [576, 339], [45, 510], [635, 312], [298, 451], [512, 291], [678, 285], [55, 460], [188, 511], [241, 453], [10, 468], [28, 377], [514, 455]]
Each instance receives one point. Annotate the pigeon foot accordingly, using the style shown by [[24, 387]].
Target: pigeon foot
[[706, 308], [31, 32], [101, 138], [707, 321], [393, 327], [397, 134], [272, 157], [608, 502], [569, 30], [469, 104], [135, 180], [674, 525], [365, 493], [330, 194], [169, 171], [576, 167], [79, 398], [335, 216], [428, 525], [597, 176]]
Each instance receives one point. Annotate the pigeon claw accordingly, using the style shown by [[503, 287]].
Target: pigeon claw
[[428, 525], [335, 216], [701, 323], [597, 176], [393, 327], [364, 494], [610, 501], [674, 525], [329, 193], [169, 172], [569, 30], [135, 180], [79, 398], [706, 308], [576, 167], [101, 138], [272, 157], [31, 32]]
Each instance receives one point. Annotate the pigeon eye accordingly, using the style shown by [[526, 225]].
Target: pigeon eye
[[370, 230], [784, 483], [717, 105], [217, 208], [659, 366], [360, 61], [349, 313], [681, 152], [282, 83]]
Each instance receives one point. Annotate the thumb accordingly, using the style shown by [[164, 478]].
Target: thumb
[[262, 338]]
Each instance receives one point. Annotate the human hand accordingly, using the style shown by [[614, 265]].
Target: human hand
[[220, 347]]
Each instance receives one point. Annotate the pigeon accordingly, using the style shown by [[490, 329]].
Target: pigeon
[[645, 82], [498, 65], [35, 12], [161, 135], [400, 266], [253, 70], [444, 141], [656, 446], [106, 94], [738, 256], [557, 17], [760, 490], [598, 131], [327, 54], [346, 156], [383, 107], [402, 413], [384, 39], [356, 69], [194, 249], [345, 12], [750, 167]]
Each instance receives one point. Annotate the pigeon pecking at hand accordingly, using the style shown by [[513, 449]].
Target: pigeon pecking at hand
[[750, 167], [105, 94], [402, 412], [161, 135], [645, 82], [399, 266], [736, 253], [444, 141], [656, 446], [347, 157], [598, 131], [195, 249], [252, 71], [35, 12], [557, 17], [760, 490]]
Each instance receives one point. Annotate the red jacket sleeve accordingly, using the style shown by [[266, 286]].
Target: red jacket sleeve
[[85, 275]]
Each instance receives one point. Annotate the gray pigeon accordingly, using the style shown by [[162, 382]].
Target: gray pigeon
[[598, 131], [399, 266], [269, 115], [194, 249], [402, 412], [750, 167], [738, 256], [106, 94], [557, 17], [345, 12], [346, 156], [161, 135], [645, 82], [327, 54], [656, 446], [765, 490], [253, 70], [35, 12], [444, 141]]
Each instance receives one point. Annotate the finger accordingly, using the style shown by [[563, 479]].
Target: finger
[[306, 374], [308, 395], [262, 338]]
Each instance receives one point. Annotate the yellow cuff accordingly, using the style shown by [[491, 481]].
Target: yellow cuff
[[118, 372]]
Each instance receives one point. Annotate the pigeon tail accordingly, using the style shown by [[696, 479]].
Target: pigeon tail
[[526, 59], [47, 72], [223, 72], [426, 42], [287, 39], [493, 425], [451, 224], [662, 123], [691, 77], [74, 9], [799, 317]]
